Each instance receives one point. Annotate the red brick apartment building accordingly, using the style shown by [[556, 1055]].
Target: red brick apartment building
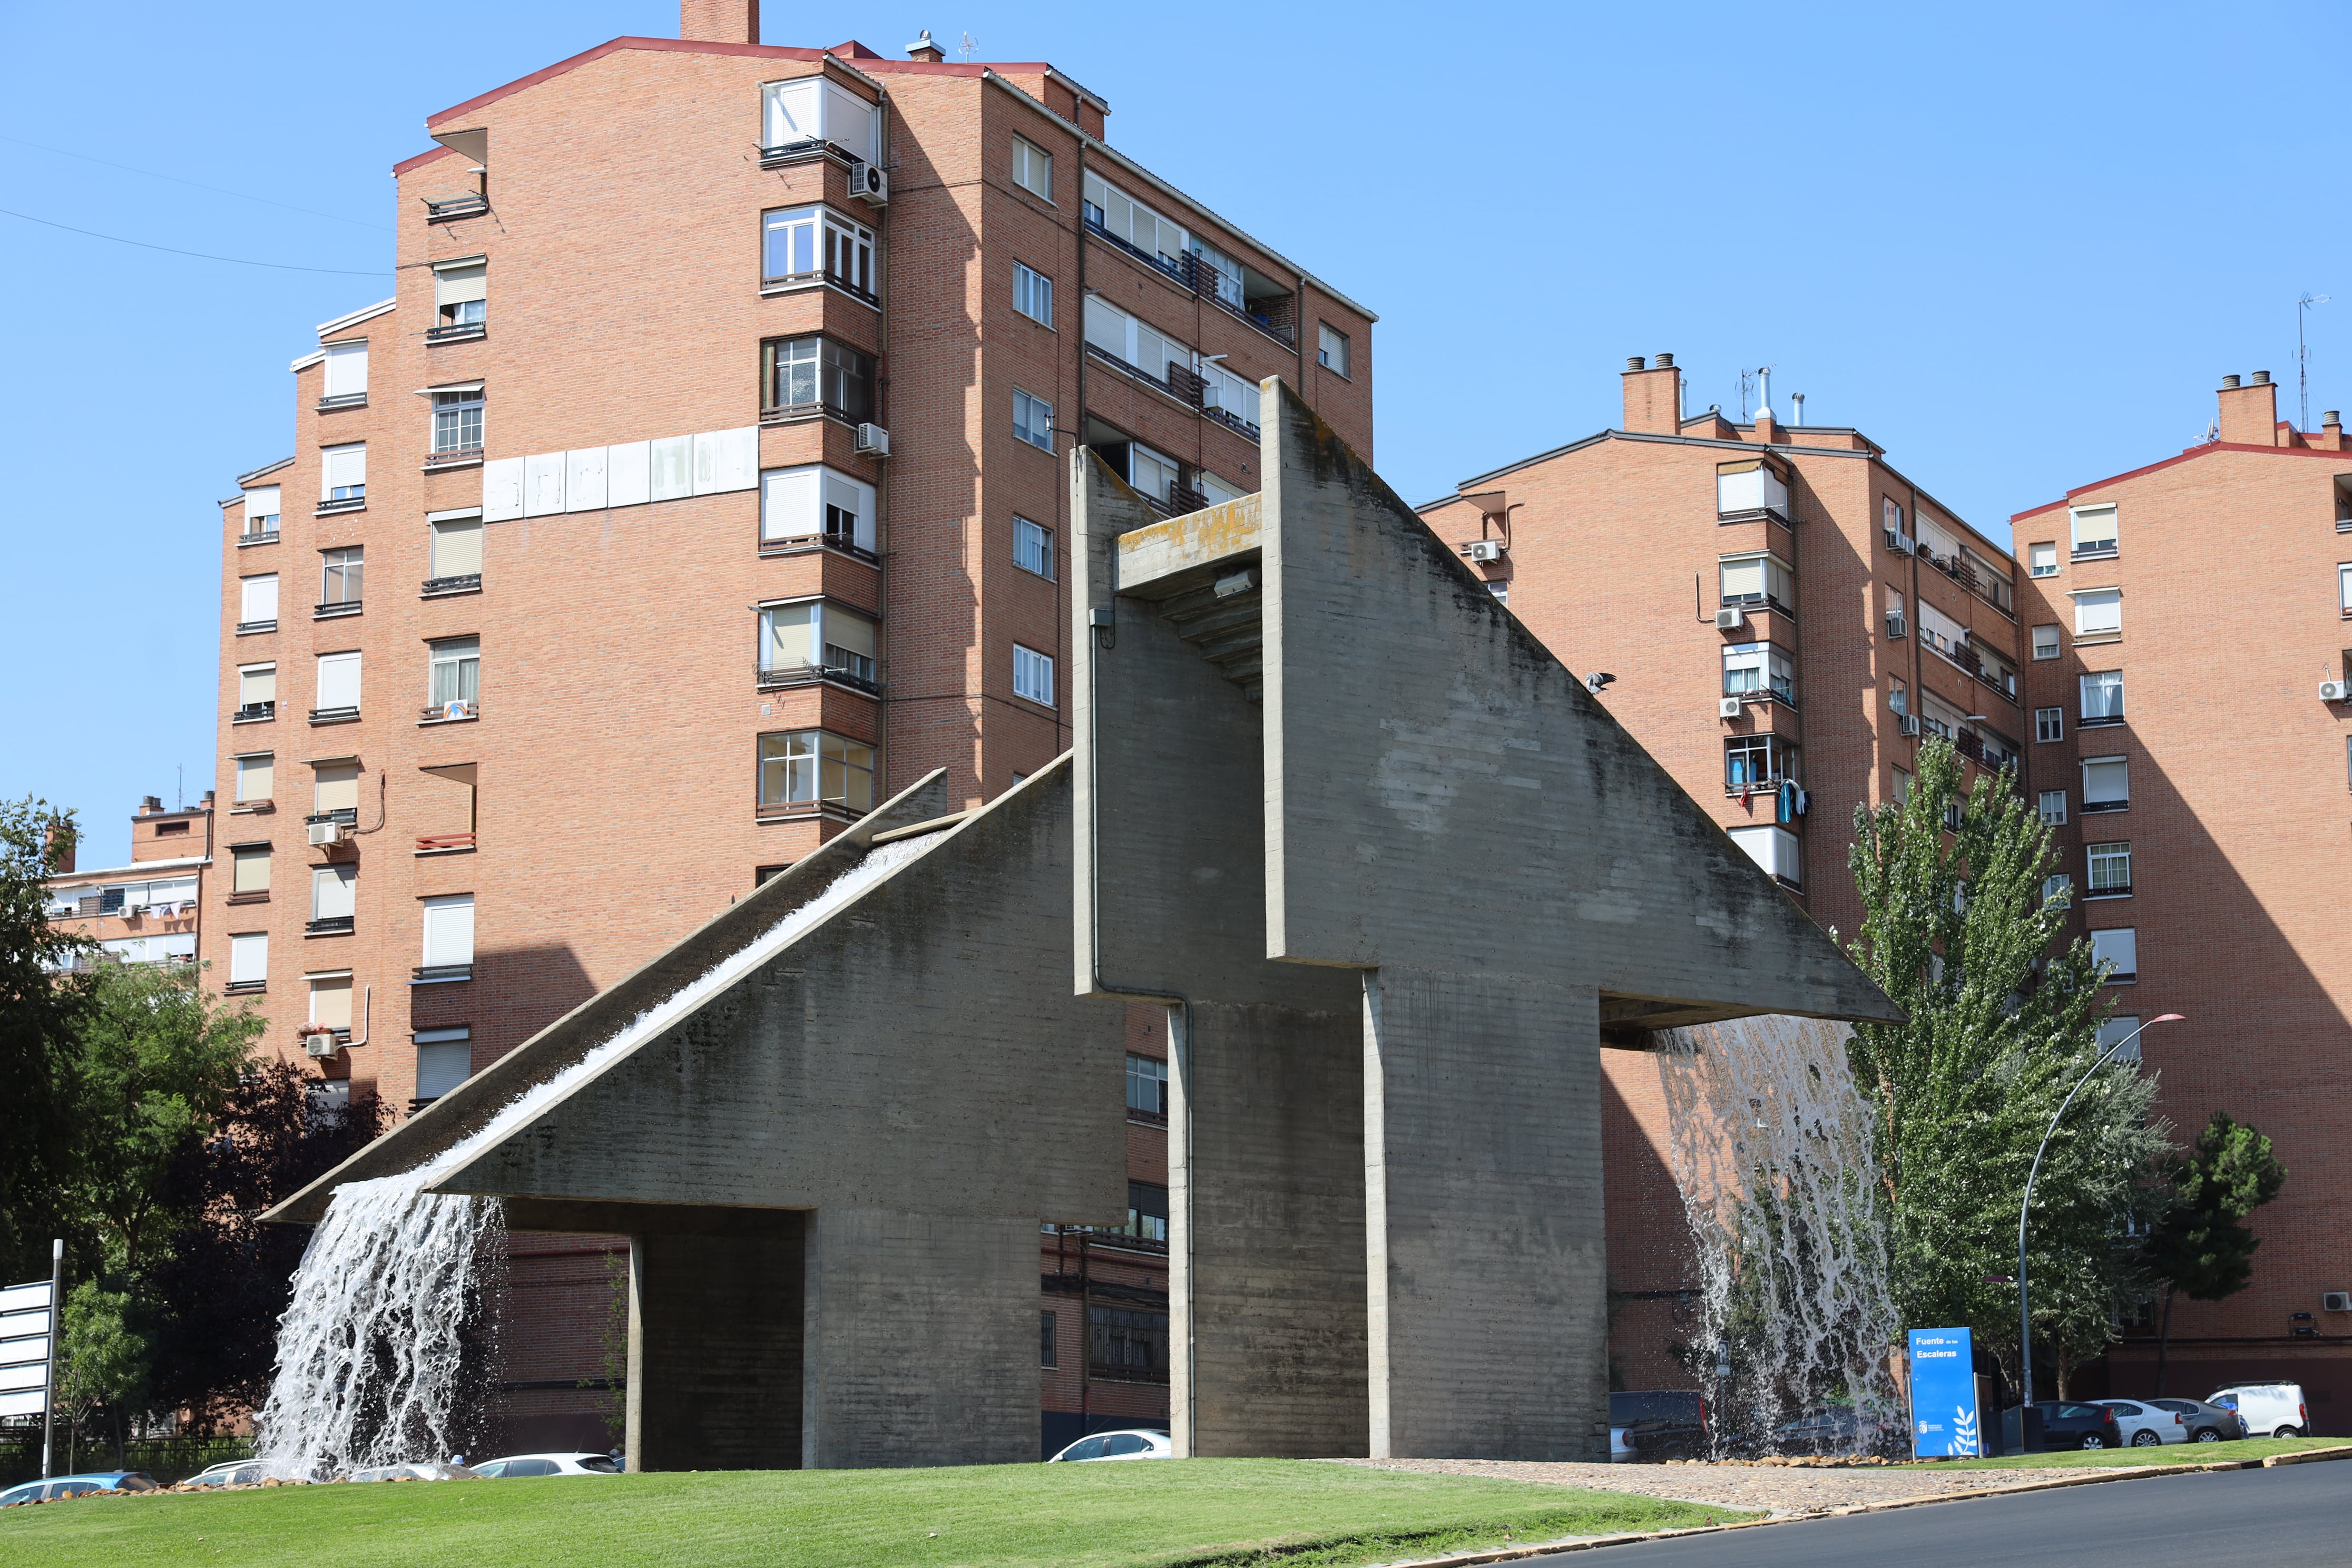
[[701, 483], [147, 912], [1779, 616], [2201, 783]]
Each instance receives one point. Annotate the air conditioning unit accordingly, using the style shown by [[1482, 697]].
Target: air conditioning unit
[[1729, 708], [1897, 627], [869, 183], [326, 833], [2336, 1301], [872, 441], [2335, 691], [1909, 725], [1484, 550], [1898, 542], [318, 1042], [1730, 620]]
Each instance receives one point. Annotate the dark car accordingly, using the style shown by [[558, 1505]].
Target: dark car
[[2206, 1423], [1656, 1425], [1832, 1429], [2067, 1424]]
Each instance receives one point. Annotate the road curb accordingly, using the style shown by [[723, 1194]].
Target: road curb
[[2092, 1476]]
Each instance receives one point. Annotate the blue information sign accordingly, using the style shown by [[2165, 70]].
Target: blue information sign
[[1943, 1395]]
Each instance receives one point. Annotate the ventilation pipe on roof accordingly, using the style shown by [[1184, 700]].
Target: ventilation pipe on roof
[[1797, 408]]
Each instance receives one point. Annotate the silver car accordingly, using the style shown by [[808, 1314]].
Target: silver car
[[2205, 1423]]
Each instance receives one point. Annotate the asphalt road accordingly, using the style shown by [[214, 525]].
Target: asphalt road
[[2296, 1516]]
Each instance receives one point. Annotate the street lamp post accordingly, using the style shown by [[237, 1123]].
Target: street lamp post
[[2024, 1309]]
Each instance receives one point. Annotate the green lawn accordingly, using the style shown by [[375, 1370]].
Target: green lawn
[[2169, 1454], [1159, 1513]]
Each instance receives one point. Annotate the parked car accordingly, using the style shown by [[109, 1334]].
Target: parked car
[[2206, 1423], [1139, 1443], [2066, 1424], [77, 1486], [548, 1465], [428, 1471], [2146, 1425], [2266, 1409], [243, 1473], [1832, 1429], [1655, 1424]]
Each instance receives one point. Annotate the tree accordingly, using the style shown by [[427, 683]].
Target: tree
[[2202, 1245], [1957, 931], [40, 1005], [105, 1360]]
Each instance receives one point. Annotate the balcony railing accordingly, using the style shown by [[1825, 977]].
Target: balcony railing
[[452, 456], [454, 712], [791, 543], [334, 715], [443, 843], [349, 503], [1270, 314], [342, 400], [256, 536], [783, 281], [439, 973], [268, 625], [455, 331], [471, 204], [254, 712], [463, 582], [245, 988], [769, 677], [329, 925], [349, 815], [334, 607]]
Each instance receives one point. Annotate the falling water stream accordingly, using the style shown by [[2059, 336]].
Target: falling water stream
[[370, 1349], [1773, 1151]]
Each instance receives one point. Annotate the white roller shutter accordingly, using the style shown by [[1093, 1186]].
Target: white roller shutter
[[346, 370], [789, 501], [449, 929], [339, 680]]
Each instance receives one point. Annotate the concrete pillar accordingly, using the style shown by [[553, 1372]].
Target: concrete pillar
[[1266, 1227], [1487, 1293], [922, 1340], [715, 1334]]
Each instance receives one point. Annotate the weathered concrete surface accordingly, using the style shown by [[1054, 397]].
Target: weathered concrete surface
[[1266, 1142]]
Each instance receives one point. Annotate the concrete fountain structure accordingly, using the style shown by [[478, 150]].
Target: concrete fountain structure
[[1397, 877]]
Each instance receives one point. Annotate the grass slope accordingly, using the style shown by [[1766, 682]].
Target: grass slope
[[1160, 1514], [2168, 1454]]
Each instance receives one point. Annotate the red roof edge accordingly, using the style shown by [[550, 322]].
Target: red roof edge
[[419, 160], [2187, 453]]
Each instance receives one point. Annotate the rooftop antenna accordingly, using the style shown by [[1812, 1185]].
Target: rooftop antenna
[[2303, 355], [1745, 377], [968, 46], [180, 790]]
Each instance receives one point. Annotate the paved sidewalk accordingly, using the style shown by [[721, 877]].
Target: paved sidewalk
[[1782, 1489]]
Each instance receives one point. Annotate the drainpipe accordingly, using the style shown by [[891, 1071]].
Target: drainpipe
[[883, 408]]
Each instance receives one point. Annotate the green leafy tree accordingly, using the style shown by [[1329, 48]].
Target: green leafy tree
[[105, 1363], [2201, 1247], [39, 1010], [2004, 1021]]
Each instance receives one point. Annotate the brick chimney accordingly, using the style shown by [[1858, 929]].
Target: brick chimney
[[1653, 396], [718, 21], [2331, 431], [58, 836], [926, 50], [2250, 413]]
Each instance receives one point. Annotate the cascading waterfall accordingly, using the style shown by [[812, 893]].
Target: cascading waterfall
[[369, 1351], [1774, 1153]]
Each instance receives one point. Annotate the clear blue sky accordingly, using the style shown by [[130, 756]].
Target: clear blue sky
[[2017, 245]]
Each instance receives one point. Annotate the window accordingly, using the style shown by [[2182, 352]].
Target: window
[[1994, 667], [2095, 531], [807, 245], [2117, 952], [1890, 517], [335, 787], [1748, 486], [1215, 272], [817, 375], [1774, 849], [456, 548], [1033, 675], [1153, 475], [343, 472], [346, 374], [2106, 785], [2045, 642], [254, 776], [457, 419], [340, 573], [330, 1000], [1032, 547], [1941, 717], [2120, 1027], [445, 1059], [1046, 1323], [811, 108], [812, 637], [1901, 791], [2103, 697], [1759, 579], [1032, 294], [1330, 348], [1136, 227], [1753, 668], [1757, 761], [1897, 624], [2043, 560], [257, 602], [1033, 168], [1225, 394], [248, 958], [257, 689], [2054, 808], [815, 502], [2099, 612], [812, 767], [2110, 869], [2055, 884], [2050, 724], [1147, 1211], [1941, 633], [1033, 421], [261, 510], [459, 292], [1127, 1344], [1146, 1085], [331, 889], [449, 932], [2344, 587], [250, 868], [338, 684], [1130, 341], [455, 672]]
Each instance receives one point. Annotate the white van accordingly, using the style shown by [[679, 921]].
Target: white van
[[2266, 1409]]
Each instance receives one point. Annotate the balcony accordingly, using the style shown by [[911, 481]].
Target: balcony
[[2094, 550], [473, 204], [2091, 806], [335, 715], [771, 677], [444, 843], [1274, 313], [457, 332], [348, 815], [248, 629], [347, 503], [342, 400], [463, 582], [245, 988], [440, 973], [459, 710], [453, 457], [256, 536], [793, 545], [329, 925], [254, 713], [787, 282], [334, 608]]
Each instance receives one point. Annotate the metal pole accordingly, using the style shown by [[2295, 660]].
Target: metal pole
[[49, 1368]]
